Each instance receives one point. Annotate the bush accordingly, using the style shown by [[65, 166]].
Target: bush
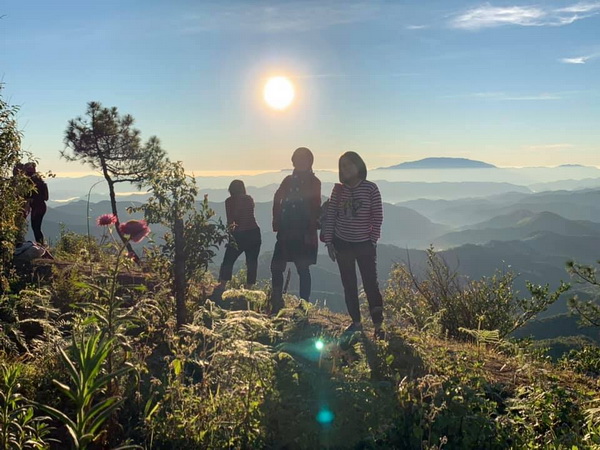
[[76, 247], [586, 360], [447, 303]]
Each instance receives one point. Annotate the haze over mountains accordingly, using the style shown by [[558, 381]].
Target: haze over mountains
[[518, 219], [449, 181]]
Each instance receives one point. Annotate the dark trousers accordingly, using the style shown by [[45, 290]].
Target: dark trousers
[[278, 265], [37, 215], [349, 254], [248, 242]]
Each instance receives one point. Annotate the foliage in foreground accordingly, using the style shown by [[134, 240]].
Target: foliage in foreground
[[240, 379]]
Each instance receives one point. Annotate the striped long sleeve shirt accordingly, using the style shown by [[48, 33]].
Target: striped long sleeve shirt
[[354, 214]]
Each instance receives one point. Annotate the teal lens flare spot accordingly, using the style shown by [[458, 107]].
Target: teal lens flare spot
[[319, 345], [325, 417]]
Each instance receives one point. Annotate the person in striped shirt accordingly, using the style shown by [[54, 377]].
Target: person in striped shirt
[[350, 232], [239, 208]]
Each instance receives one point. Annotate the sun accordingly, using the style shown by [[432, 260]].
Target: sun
[[279, 92]]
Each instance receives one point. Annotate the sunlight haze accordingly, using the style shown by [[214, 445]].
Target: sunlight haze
[[508, 84]]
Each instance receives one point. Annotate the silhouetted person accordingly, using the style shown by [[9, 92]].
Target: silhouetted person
[[37, 201], [350, 232], [296, 207], [239, 208]]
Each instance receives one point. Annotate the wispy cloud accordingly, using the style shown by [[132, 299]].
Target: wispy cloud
[[503, 96], [546, 147], [295, 16], [488, 16], [348, 75], [579, 59], [416, 27], [322, 75]]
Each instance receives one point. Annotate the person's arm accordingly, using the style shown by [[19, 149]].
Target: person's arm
[[229, 211], [329, 228], [252, 205], [44, 192], [376, 214]]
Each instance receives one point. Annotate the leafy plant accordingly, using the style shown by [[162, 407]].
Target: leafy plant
[[592, 437], [194, 236], [456, 302], [14, 186], [588, 311], [93, 406], [19, 427], [76, 247], [586, 360], [24, 316]]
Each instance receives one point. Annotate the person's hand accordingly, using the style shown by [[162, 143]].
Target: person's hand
[[331, 251]]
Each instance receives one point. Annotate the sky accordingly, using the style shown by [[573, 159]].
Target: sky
[[511, 83]]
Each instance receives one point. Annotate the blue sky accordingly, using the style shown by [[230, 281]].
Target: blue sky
[[510, 83]]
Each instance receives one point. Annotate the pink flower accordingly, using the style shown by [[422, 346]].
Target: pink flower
[[135, 229], [106, 219]]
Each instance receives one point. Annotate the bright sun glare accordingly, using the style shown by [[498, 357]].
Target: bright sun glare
[[279, 92]]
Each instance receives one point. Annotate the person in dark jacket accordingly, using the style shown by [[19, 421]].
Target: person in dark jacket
[[37, 200], [296, 209], [239, 208]]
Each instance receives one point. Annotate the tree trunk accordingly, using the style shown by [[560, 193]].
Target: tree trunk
[[113, 205], [179, 273]]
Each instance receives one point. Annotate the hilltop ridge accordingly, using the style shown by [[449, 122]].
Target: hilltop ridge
[[442, 163]]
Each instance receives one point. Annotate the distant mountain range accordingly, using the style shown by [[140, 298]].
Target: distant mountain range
[[442, 163], [575, 205], [530, 234], [518, 226]]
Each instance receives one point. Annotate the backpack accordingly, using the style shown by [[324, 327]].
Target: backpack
[[295, 214], [28, 251]]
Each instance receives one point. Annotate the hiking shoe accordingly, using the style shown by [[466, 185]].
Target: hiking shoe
[[354, 328], [379, 334]]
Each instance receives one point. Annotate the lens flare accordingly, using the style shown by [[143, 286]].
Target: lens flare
[[325, 416]]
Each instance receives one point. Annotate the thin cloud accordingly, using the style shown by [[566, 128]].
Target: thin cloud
[[296, 16], [322, 75], [545, 147], [342, 75], [416, 27], [488, 16], [503, 96], [579, 59]]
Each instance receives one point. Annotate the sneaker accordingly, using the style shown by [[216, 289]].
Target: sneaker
[[379, 334], [354, 327]]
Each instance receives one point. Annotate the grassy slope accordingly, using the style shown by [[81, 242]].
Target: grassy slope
[[411, 391]]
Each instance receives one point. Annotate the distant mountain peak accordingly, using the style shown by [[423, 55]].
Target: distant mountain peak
[[442, 163]]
